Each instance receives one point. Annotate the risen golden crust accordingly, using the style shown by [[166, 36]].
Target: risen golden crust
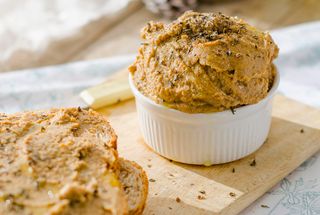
[[204, 62]]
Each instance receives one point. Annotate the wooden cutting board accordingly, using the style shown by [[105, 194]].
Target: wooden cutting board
[[187, 189]]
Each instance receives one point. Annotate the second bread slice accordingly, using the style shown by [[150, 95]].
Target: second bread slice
[[135, 184]]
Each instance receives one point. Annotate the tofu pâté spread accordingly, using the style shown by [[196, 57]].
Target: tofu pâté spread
[[204, 62]]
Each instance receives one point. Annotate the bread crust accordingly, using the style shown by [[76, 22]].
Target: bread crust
[[129, 166]]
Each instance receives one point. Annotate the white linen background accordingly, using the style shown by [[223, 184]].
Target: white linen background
[[33, 32], [298, 63]]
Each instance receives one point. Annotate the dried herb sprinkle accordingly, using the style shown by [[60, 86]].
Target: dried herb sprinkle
[[253, 162]]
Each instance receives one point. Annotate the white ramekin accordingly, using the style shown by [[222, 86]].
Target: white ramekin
[[205, 139]]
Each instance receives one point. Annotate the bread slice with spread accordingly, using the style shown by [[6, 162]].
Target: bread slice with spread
[[61, 161]]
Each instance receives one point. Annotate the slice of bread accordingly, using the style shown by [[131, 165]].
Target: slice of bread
[[65, 161], [61, 161], [135, 184]]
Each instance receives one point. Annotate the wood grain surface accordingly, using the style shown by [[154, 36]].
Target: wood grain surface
[[187, 189]]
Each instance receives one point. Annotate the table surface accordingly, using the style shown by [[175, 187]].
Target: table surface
[[122, 36]]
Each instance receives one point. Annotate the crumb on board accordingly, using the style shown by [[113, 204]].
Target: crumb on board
[[301, 131], [233, 170], [233, 111], [265, 206], [149, 165], [253, 162], [232, 194], [202, 191], [201, 197], [152, 180], [178, 199]]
